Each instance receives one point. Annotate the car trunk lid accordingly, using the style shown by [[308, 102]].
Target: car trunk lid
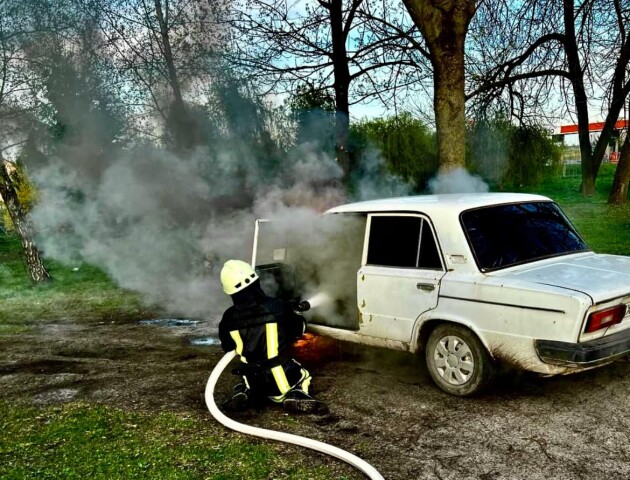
[[602, 277]]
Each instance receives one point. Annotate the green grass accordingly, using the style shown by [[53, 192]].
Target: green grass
[[12, 329], [75, 295], [606, 228], [78, 441]]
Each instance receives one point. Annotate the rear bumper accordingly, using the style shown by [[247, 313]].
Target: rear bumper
[[584, 354]]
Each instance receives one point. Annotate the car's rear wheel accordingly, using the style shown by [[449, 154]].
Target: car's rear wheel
[[457, 361]]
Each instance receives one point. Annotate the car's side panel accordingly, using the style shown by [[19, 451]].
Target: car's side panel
[[508, 318], [517, 308], [390, 299]]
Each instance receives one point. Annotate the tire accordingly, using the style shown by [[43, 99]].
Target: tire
[[457, 361]]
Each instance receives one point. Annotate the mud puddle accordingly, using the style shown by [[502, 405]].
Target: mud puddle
[[170, 322]]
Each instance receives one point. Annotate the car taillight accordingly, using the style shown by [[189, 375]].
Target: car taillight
[[605, 318]]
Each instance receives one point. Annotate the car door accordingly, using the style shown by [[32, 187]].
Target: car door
[[400, 274]]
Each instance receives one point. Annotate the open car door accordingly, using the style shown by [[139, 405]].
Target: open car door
[[321, 259]]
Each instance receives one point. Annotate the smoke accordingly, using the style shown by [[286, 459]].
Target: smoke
[[143, 221], [374, 181], [314, 254], [457, 180], [163, 223]]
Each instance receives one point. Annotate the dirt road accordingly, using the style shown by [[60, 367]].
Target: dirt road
[[383, 404]]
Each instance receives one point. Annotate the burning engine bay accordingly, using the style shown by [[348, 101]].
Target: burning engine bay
[[318, 264]]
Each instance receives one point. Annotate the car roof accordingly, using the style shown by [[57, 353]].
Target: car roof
[[453, 203]]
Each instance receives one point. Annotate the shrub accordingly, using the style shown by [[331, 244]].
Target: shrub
[[406, 144], [533, 156], [511, 156], [26, 191]]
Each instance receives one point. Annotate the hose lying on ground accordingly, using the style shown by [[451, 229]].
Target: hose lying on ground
[[353, 460]]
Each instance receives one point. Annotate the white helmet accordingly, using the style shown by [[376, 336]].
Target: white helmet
[[237, 275]]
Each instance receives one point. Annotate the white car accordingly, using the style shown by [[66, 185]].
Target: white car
[[478, 280]]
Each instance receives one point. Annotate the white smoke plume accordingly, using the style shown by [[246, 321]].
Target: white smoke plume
[[375, 181], [457, 180]]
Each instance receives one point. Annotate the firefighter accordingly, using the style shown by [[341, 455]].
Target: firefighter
[[261, 329]]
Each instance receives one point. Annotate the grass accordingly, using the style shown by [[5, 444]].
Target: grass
[[606, 228], [86, 293], [78, 441]]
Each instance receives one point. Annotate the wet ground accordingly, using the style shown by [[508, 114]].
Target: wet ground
[[383, 405]]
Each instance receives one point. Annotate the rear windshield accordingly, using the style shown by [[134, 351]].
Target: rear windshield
[[505, 235]]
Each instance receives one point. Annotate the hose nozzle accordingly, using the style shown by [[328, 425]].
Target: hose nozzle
[[302, 306]]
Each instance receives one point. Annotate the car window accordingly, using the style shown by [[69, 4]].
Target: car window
[[429, 257], [505, 235], [402, 241]]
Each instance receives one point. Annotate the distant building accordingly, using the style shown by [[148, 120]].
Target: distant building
[[612, 151]]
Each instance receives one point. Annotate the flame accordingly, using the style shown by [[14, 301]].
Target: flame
[[304, 340]]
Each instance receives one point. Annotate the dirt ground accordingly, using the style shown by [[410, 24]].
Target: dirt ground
[[383, 404]]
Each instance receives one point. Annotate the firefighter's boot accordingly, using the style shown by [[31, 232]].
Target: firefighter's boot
[[301, 402], [240, 400]]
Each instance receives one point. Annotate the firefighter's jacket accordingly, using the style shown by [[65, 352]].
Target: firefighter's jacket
[[261, 333]]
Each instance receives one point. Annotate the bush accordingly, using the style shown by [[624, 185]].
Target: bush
[[510, 156], [313, 112], [26, 192], [533, 156], [406, 144]]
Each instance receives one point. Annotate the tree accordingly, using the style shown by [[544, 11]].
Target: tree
[[313, 111], [19, 23], [334, 45], [444, 25], [81, 117], [594, 56], [406, 144], [511, 155], [22, 225], [165, 50]]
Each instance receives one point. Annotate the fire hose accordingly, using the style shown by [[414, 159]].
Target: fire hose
[[347, 457]]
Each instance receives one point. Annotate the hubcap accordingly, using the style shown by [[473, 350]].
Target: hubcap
[[454, 360]]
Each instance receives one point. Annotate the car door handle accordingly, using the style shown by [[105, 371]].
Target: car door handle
[[428, 287]]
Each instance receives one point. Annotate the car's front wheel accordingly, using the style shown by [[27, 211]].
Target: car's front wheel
[[457, 361]]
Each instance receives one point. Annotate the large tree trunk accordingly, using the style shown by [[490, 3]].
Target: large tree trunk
[[449, 106], [444, 25], [619, 192], [341, 84], [23, 227]]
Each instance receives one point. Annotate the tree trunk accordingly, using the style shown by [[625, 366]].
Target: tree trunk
[[449, 106], [619, 192], [581, 101], [180, 124], [168, 54], [341, 84], [23, 227], [444, 25]]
